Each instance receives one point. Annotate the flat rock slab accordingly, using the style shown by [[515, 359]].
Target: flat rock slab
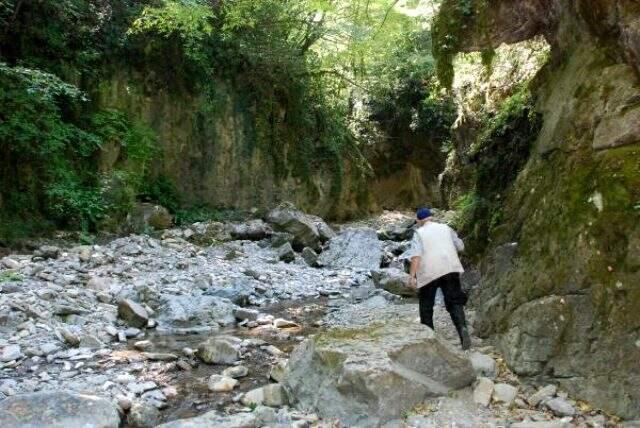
[[357, 248], [394, 281], [195, 310], [301, 226], [58, 410], [215, 419], [369, 375]]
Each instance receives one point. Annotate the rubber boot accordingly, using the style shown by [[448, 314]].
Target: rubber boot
[[427, 320], [460, 322]]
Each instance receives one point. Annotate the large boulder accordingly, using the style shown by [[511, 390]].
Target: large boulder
[[305, 233], [254, 230], [58, 410], [146, 216], [401, 231], [394, 281], [272, 395], [133, 313], [238, 290], [194, 310], [356, 248], [369, 375], [212, 232]]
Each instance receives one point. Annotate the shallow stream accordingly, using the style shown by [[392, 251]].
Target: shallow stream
[[194, 397]]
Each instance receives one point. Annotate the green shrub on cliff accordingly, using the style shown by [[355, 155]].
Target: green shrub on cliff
[[48, 150], [39, 135], [406, 93], [498, 155], [456, 21]]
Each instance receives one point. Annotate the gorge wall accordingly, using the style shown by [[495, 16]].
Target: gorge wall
[[213, 156], [561, 275]]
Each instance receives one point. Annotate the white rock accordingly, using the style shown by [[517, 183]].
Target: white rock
[[10, 353], [11, 263], [48, 348], [277, 371], [236, 372], [483, 391], [97, 283], [483, 365], [218, 383], [273, 350], [504, 393], [542, 394], [543, 424], [272, 395], [140, 387], [265, 319], [124, 402], [246, 314], [219, 351], [282, 323], [560, 407]]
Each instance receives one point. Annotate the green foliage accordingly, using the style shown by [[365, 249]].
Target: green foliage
[[162, 192], [9, 276], [43, 131], [406, 96], [137, 141], [37, 129], [200, 213], [503, 147], [499, 154], [64, 36], [456, 20], [188, 23], [296, 66]]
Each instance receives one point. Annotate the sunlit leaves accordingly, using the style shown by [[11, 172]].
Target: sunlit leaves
[[187, 19]]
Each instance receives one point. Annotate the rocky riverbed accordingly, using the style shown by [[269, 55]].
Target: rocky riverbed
[[277, 322]]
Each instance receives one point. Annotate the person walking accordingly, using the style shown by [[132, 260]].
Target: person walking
[[435, 264]]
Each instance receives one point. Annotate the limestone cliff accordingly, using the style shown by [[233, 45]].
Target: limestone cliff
[[561, 289], [210, 152]]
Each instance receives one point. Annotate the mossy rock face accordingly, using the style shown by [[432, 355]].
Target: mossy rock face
[[566, 303], [368, 375]]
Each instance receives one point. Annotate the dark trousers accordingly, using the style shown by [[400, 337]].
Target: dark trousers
[[454, 296]]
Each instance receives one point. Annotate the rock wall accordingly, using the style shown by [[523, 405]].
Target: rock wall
[[561, 289], [210, 151], [406, 165]]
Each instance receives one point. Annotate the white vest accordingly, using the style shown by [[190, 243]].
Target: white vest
[[440, 246]]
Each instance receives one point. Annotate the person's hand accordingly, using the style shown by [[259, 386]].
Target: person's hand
[[413, 283]]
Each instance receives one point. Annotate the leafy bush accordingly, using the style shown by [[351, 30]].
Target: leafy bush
[[162, 191], [406, 96], [44, 134], [456, 19], [38, 132], [504, 145], [199, 213], [183, 24], [499, 154]]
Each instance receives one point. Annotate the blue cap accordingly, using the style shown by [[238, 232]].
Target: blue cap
[[423, 213]]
